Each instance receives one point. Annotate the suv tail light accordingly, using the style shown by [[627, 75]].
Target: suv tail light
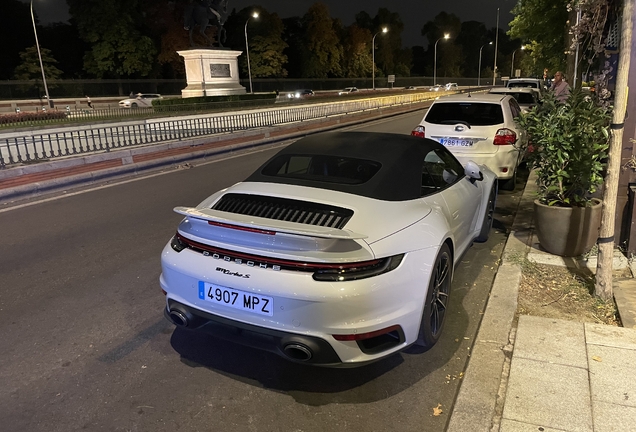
[[418, 132], [505, 136]]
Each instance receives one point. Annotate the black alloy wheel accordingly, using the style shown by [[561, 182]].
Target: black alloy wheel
[[436, 299], [489, 217]]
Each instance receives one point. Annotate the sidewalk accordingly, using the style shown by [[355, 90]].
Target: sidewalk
[[547, 374]]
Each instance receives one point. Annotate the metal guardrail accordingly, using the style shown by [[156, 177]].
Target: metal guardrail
[[25, 147]]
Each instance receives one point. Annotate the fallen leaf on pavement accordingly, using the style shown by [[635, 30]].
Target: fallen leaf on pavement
[[597, 358], [437, 410]]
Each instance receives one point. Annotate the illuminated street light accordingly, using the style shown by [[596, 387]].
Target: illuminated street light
[[512, 65], [384, 30], [479, 69], [247, 49], [37, 44], [446, 36]]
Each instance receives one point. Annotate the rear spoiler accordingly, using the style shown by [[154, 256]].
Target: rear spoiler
[[259, 223]]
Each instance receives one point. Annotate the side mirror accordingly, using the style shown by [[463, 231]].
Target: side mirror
[[472, 171]]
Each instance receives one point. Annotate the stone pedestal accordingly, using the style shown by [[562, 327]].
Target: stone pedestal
[[211, 72]]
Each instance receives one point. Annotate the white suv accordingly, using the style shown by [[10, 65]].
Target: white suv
[[478, 127]]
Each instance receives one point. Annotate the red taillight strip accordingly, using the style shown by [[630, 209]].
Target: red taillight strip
[[276, 261], [241, 228], [362, 336]]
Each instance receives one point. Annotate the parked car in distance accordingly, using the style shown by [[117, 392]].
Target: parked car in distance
[[451, 86], [478, 127], [141, 100], [526, 82], [338, 251], [410, 88], [347, 90], [436, 87], [526, 97], [298, 94]]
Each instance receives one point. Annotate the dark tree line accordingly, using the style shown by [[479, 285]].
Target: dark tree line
[[140, 39]]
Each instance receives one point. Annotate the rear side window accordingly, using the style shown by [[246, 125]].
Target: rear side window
[[475, 114], [331, 169]]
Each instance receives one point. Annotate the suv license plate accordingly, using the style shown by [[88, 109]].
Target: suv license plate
[[237, 299], [456, 142]]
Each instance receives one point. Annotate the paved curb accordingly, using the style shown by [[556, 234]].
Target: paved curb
[[27, 181], [480, 398]]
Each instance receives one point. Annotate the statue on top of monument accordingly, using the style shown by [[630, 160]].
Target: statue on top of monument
[[206, 13]]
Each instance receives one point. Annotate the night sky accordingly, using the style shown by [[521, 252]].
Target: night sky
[[414, 13]]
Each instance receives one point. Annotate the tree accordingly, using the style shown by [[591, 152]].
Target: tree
[[293, 37], [358, 57], [113, 29], [323, 51], [542, 24], [434, 30], [267, 47], [66, 46], [30, 69]]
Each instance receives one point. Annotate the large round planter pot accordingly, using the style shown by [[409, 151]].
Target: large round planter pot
[[567, 231]]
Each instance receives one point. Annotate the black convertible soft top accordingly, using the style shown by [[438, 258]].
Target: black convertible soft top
[[392, 164]]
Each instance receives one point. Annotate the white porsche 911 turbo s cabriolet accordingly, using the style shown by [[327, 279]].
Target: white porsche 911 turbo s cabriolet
[[337, 252]]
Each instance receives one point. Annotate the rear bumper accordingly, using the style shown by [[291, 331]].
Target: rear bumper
[[503, 163], [295, 347]]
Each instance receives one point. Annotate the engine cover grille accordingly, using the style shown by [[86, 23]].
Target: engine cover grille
[[284, 209]]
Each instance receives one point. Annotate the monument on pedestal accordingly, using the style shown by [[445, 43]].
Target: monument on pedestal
[[211, 72]]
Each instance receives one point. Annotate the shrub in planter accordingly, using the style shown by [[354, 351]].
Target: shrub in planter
[[568, 150]]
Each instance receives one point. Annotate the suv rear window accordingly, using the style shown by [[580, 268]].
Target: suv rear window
[[475, 114], [524, 84], [331, 169]]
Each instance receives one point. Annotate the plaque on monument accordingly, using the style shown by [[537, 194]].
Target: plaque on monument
[[220, 70]]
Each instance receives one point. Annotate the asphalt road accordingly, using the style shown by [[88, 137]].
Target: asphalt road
[[84, 344]]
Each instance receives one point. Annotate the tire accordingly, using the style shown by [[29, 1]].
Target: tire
[[489, 216], [510, 184], [436, 303], [133, 105]]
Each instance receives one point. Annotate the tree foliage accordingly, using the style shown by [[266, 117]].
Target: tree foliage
[[542, 24], [29, 69], [323, 51], [114, 29]]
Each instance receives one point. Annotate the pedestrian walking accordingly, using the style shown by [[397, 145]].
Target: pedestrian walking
[[560, 87], [89, 102]]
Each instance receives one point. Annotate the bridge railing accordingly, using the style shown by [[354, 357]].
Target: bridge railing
[[28, 147]]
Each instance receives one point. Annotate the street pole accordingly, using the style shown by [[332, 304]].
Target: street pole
[[247, 50], [384, 30], [37, 44], [479, 69], [446, 36], [494, 69]]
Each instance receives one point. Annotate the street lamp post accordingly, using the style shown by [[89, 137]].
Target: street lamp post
[[479, 69], [512, 65], [384, 30], [247, 49], [446, 36], [37, 44]]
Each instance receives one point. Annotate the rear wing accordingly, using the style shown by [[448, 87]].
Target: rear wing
[[258, 223]]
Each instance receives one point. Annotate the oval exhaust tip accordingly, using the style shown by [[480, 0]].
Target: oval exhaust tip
[[297, 352], [178, 318]]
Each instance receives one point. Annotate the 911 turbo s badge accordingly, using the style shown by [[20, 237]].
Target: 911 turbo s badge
[[234, 260], [231, 273]]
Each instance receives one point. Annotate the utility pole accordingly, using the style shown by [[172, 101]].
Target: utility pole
[[494, 69], [606, 241]]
